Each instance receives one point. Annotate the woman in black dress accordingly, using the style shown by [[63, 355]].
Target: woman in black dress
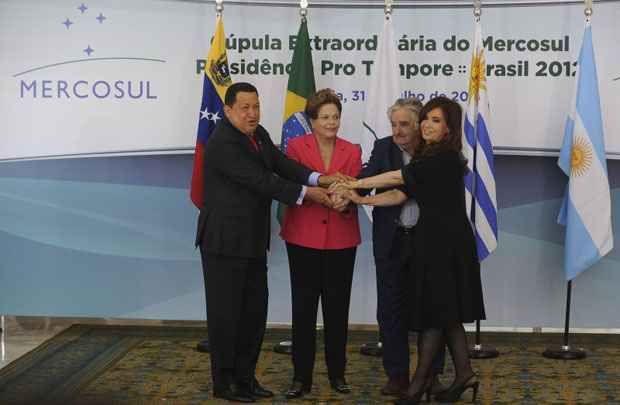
[[445, 287]]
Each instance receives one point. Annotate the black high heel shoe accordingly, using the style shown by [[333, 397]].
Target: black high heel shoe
[[454, 393]]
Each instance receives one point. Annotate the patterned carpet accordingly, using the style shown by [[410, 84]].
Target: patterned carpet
[[147, 365]]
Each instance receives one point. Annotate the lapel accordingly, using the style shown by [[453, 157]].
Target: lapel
[[263, 146], [241, 138], [262, 154], [339, 157], [396, 157], [314, 155]]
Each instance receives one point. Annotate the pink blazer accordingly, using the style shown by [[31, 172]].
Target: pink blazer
[[314, 225]]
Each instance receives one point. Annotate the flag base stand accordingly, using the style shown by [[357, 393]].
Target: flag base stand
[[483, 352], [284, 347], [480, 351], [565, 353], [203, 347], [374, 349]]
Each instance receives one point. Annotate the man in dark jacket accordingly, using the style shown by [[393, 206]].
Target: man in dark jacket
[[243, 172], [392, 232]]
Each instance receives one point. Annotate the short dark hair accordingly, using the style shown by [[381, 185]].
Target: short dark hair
[[453, 114], [319, 99], [231, 92]]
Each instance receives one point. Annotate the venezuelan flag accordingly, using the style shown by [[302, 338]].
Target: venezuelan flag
[[215, 83]]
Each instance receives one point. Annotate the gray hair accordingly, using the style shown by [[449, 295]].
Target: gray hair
[[412, 104]]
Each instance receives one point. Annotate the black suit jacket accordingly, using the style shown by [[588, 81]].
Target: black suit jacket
[[239, 185], [385, 156]]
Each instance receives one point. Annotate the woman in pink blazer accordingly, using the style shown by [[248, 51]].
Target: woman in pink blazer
[[321, 244]]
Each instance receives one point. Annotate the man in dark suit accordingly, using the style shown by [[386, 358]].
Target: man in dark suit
[[392, 232], [243, 172]]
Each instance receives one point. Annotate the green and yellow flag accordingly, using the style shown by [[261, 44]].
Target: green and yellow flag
[[300, 86]]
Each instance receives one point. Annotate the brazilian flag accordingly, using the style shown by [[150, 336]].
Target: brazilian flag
[[300, 86]]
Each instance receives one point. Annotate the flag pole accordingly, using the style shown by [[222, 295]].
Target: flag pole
[[478, 350], [203, 345], [376, 348], [566, 352], [286, 346]]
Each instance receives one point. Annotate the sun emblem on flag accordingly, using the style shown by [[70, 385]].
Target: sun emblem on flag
[[581, 157], [477, 78]]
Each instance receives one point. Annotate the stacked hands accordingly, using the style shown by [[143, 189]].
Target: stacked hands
[[336, 191]]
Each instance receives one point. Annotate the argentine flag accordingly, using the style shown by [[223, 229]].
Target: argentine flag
[[480, 197], [586, 209]]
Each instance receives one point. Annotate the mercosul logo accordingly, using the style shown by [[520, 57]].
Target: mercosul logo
[[98, 76]]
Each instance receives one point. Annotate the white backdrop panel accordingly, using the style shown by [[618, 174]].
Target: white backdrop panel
[[127, 82]]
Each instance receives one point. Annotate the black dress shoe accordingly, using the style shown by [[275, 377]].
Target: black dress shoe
[[396, 386], [257, 391], [340, 385], [297, 390], [234, 394]]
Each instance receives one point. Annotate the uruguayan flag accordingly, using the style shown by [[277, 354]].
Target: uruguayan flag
[[586, 209], [477, 148]]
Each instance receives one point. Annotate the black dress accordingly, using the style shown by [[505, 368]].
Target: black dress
[[445, 285]]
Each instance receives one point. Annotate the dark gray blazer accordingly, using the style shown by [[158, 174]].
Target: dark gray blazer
[[385, 156], [239, 185]]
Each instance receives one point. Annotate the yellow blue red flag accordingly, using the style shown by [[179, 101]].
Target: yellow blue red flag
[[215, 83]]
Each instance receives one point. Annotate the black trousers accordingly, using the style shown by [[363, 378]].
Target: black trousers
[[236, 291], [327, 274], [392, 310]]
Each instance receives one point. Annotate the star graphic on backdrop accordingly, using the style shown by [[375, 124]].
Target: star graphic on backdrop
[[215, 117], [67, 23], [89, 50], [101, 18], [83, 8]]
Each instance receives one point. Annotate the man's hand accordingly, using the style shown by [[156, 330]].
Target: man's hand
[[339, 200], [318, 195], [326, 181]]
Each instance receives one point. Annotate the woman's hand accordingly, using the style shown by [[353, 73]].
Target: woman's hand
[[345, 185], [353, 197]]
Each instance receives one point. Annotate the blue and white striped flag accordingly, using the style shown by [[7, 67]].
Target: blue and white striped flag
[[586, 209], [480, 180]]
